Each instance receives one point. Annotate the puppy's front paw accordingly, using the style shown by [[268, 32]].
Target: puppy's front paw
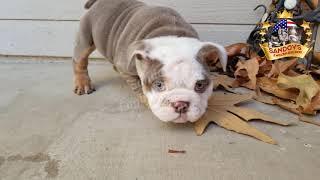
[[83, 84]]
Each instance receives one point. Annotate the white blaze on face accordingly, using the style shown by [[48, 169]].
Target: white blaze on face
[[181, 71]]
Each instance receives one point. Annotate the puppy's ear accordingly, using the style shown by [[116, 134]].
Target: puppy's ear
[[210, 53], [138, 52]]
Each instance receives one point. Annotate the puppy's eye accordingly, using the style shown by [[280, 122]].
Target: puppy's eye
[[201, 86], [158, 85]]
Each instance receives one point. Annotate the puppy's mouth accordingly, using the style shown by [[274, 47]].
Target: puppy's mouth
[[182, 118]]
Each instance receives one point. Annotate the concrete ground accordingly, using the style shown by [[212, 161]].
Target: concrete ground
[[47, 132]]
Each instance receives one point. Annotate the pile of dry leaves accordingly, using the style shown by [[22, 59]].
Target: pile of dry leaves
[[285, 83]]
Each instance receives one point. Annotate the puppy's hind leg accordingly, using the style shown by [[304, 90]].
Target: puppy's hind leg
[[84, 46]]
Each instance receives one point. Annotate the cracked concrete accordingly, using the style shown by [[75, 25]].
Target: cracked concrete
[[109, 135]]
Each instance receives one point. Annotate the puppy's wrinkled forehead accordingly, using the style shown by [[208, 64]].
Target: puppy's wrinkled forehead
[[178, 61], [184, 72]]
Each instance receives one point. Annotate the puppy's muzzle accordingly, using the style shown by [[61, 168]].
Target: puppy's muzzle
[[181, 107]]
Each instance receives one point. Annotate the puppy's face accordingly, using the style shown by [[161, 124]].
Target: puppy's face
[[175, 77]]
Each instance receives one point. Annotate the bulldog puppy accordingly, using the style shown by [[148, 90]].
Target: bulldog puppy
[[155, 50]]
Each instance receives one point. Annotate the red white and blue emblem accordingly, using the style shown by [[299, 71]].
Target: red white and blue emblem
[[283, 24]]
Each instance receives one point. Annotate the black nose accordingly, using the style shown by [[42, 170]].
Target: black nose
[[180, 106]]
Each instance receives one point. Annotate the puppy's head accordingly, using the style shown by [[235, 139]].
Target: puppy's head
[[175, 76]]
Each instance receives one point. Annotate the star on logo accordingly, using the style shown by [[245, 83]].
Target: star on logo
[[305, 25], [262, 33], [309, 33], [265, 25]]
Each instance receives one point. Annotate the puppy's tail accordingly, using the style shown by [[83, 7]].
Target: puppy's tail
[[89, 4]]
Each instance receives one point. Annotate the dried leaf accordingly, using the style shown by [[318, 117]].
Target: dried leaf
[[309, 120], [270, 86], [301, 68], [240, 49], [265, 67], [223, 112], [227, 99], [249, 114], [284, 104], [281, 66], [292, 73], [264, 98], [315, 71], [222, 80], [233, 123], [246, 72], [307, 86], [312, 107], [287, 105]]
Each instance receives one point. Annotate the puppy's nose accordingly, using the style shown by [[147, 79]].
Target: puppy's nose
[[180, 106]]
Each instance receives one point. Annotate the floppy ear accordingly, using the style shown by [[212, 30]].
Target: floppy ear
[[138, 51], [138, 54], [210, 53]]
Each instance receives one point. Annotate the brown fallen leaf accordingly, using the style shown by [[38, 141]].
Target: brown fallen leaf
[[222, 80], [230, 122], [176, 151], [281, 66], [265, 67], [249, 115], [301, 68], [223, 112], [266, 99], [314, 69], [270, 86], [315, 3], [272, 100], [292, 73], [246, 73], [237, 52], [287, 105], [314, 106], [307, 86], [228, 99], [309, 120], [240, 49]]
